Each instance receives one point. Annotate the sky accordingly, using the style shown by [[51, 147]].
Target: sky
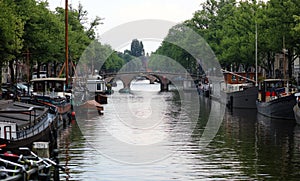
[[118, 12]]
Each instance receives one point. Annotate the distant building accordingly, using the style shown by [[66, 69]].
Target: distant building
[[296, 71], [5, 74], [280, 65]]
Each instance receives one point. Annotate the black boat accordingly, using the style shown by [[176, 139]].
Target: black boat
[[239, 89], [276, 99], [240, 96], [22, 124], [52, 92]]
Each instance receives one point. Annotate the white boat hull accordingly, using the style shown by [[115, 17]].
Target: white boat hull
[[296, 110]]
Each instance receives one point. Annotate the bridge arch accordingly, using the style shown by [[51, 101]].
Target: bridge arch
[[127, 78]]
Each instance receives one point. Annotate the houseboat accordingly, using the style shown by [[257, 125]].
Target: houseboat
[[239, 89], [21, 124], [53, 92], [276, 99], [296, 108], [97, 90]]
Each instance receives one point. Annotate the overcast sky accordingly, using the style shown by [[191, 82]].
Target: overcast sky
[[117, 12]]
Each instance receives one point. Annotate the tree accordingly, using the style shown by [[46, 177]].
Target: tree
[[28, 26], [80, 37], [11, 32], [137, 48]]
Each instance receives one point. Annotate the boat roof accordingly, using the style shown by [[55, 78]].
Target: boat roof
[[17, 112], [274, 80], [48, 79], [241, 84], [94, 80]]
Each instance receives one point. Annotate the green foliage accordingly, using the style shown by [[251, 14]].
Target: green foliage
[[137, 48], [297, 26], [29, 26], [113, 63], [229, 27], [11, 32], [99, 57]]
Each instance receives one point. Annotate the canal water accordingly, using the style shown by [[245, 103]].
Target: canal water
[[152, 135]]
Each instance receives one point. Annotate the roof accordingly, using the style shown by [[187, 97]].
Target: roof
[[48, 79], [95, 81], [275, 80]]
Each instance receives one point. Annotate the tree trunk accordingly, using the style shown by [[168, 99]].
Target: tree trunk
[[290, 63], [54, 69], [38, 69], [11, 69], [270, 65], [47, 68], [1, 65]]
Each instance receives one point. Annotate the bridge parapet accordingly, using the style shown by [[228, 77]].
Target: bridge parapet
[[164, 78]]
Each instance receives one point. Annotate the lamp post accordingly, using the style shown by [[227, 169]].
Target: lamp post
[[66, 42]]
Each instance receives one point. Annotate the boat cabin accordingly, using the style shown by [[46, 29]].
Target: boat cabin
[[8, 130], [96, 85], [42, 85], [238, 77], [271, 89], [17, 119], [236, 87]]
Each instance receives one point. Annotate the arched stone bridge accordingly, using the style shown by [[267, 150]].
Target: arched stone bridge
[[126, 77]]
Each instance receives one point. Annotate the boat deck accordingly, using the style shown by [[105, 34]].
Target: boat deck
[[20, 113]]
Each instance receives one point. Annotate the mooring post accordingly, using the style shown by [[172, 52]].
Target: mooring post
[[56, 169]]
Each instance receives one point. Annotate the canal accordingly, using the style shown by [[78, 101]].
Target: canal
[[149, 135]]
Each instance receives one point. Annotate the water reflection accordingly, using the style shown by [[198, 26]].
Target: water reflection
[[276, 143], [247, 146], [264, 146]]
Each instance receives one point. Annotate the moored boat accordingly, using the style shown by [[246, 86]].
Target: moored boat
[[27, 165], [97, 90], [91, 106], [296, 108], [239, 90], [204, 87], [22, 124], [53, 92], [275, 99]]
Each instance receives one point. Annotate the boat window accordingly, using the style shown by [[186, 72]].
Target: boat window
[[7, 132], [58, 87], [233, 78], [51, 86], [98, 86], [38, 87]]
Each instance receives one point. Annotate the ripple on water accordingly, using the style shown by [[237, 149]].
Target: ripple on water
[[131, 145]]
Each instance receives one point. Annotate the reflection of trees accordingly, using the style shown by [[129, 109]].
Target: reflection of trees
[[71, 145], [264, 147], [251, 146]]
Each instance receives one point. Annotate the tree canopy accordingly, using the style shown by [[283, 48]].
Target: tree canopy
[[230, 28], [30, 27]]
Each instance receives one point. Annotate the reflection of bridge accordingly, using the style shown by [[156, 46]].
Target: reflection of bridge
[[164, 78]]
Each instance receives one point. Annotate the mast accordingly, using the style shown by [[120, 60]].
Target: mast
[[256, 54], [284, 60], [66, 42]]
